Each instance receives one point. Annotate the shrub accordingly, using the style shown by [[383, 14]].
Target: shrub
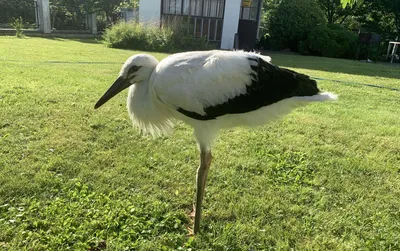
[[149, 38], [18, 25], [330, 41], [181, 37], [292, 21], [264, 42], [127, 36]]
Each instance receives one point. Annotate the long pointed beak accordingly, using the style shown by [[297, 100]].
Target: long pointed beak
[[119, 85]]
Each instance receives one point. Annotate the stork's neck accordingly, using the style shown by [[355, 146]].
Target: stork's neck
[[146, 110]]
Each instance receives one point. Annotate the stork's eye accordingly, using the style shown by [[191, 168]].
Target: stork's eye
[[132, 72], [133, 69]]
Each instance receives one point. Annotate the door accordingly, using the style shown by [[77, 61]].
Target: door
[[248, 24], [247, 32]]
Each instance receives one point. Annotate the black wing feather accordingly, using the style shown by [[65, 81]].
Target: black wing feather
[[270, 84]]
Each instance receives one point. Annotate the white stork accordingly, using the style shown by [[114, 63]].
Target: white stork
[[209, 90]]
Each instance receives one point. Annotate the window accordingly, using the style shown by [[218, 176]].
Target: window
[[199, 8], [205, 16], [186, 7], [249, 13], [213, 8], [172, 7]]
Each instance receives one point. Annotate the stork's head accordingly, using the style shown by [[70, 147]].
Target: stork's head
[[136, 69]]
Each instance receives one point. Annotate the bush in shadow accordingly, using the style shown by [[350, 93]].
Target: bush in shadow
[[136, 36], [292, 21], [330, 41], [18, 25]]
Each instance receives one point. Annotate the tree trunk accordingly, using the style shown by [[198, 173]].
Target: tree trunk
[[344, 18], [331, 11]]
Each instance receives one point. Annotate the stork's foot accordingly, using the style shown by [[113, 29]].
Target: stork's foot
[[189, 228], [192, 213], [190, 232]]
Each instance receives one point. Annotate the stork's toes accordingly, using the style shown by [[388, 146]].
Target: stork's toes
[[192, 213], [190, 232]]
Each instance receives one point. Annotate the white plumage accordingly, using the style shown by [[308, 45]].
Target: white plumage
[[209, 90]]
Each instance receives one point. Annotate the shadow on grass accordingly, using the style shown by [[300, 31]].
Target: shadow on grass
[[335, 65], [158, 54], [87, 40], [81, 40]]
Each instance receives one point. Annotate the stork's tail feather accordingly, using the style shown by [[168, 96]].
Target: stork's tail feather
[[307, 89], [325, 96]]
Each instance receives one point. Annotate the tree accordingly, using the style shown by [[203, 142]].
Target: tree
[[268, 7], [88, 6], [108, 6], [392, 8], [11, 9], [383, 15], [335, 12], [292, 21], [67, 12], [350, 2]]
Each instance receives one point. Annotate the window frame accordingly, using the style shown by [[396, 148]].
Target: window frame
[[255, 6], [191, 2], [205, 21]]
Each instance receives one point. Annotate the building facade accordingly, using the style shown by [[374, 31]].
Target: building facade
[[231, 23]]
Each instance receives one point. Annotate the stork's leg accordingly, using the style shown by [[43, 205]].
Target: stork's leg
[[202, 171]]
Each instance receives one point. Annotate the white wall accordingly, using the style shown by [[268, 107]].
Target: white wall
[[231, 23], [91, 20], [150, 11], [44, 16]]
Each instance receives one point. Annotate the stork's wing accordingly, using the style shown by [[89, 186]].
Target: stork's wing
[[205, 85]]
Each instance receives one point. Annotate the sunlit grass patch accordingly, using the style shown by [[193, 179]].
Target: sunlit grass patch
[[326, 177]]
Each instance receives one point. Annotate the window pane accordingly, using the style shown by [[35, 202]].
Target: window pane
[[213, 8], [172, 6], [211, 35], [206, 23], [166, 6], [198, 27], [186, 7], [220, 10], [246, 13], [193, 7], [199, 7], [206, 10], [191, 24], [178, 7], [219, 30]]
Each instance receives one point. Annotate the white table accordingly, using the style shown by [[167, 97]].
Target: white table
[[395, 46]]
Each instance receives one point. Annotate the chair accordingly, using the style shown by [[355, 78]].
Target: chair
[[368, 39], [375, 40], [363, 39]]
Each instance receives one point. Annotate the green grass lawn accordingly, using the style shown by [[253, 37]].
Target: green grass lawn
[[326, 177]]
